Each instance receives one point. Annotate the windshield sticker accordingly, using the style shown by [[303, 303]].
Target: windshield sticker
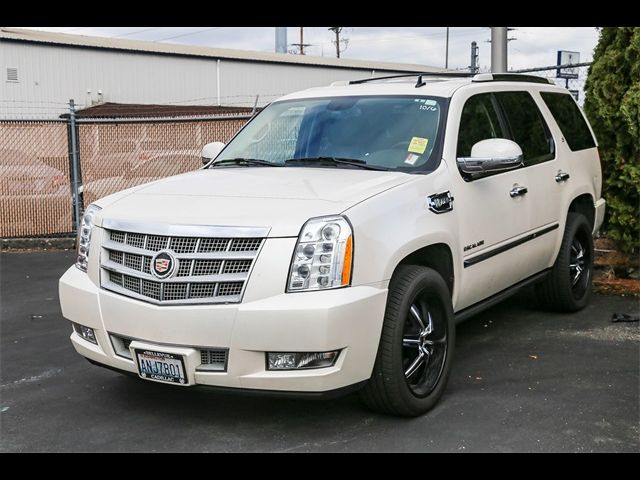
[[430, 102], [418, 145], [411, 159]]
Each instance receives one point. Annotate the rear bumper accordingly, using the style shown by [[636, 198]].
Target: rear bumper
[[600, 207], [348, 319]]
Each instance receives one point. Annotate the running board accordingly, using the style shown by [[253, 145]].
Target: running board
[[476, 308]]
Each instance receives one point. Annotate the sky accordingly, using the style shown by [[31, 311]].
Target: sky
[[532, 47]]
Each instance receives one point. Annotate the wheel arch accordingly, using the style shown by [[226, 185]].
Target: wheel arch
[[437, 256], [585, 205]]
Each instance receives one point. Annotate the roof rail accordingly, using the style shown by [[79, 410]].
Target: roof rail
[[480, 77], [417, 74], [510, 77]]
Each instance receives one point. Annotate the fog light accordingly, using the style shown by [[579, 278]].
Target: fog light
[[85, 332], [301, 360]]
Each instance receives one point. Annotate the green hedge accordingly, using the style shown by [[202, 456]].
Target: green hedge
[[612, 104]]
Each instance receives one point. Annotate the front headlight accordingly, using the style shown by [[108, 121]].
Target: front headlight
[[323, 256], [84, 236]]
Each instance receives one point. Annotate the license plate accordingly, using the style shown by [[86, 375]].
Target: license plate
[[161, 366]]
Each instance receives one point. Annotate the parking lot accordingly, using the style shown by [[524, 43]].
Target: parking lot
[[522, 380]]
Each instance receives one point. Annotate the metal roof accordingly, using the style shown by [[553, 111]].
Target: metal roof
[[137, 110], [84, 41]]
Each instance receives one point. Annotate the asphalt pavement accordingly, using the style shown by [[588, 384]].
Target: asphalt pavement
[[522, 380]]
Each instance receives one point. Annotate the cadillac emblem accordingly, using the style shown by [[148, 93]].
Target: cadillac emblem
[[163, 264]]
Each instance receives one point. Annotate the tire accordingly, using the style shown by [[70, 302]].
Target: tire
[[415, 293], [562, 290]]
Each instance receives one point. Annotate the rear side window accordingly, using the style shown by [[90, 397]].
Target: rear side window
[[479, 121], [528, 128], [570, 120]]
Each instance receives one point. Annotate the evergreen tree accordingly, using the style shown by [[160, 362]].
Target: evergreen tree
[[612, 104]]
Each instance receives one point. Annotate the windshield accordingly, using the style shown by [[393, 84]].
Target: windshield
[[392, 132]]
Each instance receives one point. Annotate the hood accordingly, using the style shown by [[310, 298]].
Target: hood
[[279, 198]]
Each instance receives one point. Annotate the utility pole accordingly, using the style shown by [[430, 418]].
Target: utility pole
[[337, 41], [301, 45], [498, 49], [446, 48], [473, 66]]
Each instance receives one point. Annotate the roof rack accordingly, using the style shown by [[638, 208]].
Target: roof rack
[[480, 77], [510, 77], [417, 74]]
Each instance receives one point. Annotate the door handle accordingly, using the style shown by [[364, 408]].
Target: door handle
[[562, 176], [518, 192]]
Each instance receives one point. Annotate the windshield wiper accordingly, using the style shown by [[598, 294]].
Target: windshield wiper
[[245, 161], [332, 161]]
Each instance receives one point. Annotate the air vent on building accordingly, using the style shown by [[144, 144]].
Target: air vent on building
[[12, 74]]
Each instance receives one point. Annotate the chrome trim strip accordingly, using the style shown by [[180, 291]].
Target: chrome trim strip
[[223, 277], [206, 231], [107, 285], [204, 368], [221, 255], [468, 262]]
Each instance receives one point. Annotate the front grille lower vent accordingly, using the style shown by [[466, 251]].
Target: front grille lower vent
[[213, 360], [209, 270]]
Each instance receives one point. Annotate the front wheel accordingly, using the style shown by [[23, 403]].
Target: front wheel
[[416, 346]]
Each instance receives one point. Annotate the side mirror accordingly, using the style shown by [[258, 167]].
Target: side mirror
[[211, 151], [492, 155]]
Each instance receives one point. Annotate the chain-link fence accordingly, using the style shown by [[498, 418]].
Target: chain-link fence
[[37, 191], [118, 155]]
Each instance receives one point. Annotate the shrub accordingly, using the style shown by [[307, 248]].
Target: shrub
[[612, 104]]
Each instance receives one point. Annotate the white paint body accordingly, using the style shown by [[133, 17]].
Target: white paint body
[[390, 219]]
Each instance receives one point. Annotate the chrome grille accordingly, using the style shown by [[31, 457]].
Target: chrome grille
[[231, 288], [154, 242], [184, 269], [213, 245], [203, 290], [207, 267], [210, 269], [242, 244], [237, 266], [183, 245]]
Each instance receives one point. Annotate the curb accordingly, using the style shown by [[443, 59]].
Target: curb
[[63, 243]]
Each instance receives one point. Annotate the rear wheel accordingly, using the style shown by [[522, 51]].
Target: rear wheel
[[567, 288], [416, 346]]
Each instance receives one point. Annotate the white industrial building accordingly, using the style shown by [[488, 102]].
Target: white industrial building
[[43, 70]]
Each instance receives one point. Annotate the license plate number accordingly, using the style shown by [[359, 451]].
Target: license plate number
[[161, 366]]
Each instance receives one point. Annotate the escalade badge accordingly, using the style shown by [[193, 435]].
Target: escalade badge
[[163, 264], [440, 202]]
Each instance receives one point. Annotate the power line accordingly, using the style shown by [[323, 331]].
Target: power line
[[396, 37], [137, 31], [187, 34]]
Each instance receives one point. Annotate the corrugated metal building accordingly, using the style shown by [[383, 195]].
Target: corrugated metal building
[[43, 70]]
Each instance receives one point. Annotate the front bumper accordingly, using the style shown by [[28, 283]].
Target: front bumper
[[349, 319]]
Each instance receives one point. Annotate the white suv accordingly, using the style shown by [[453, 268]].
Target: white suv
[[334, 243]]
